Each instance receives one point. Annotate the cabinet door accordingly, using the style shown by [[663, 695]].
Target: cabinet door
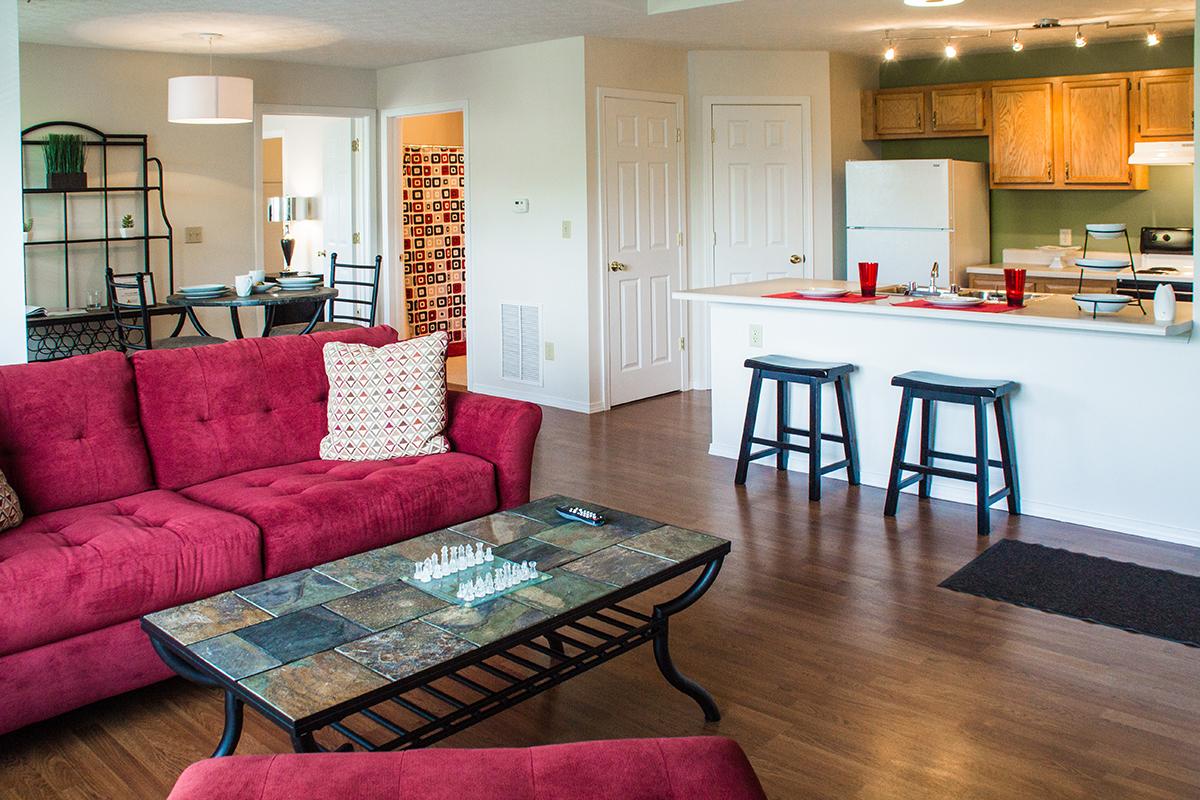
[[1067, 285], [899, 113], [956, 110], [1096, 131], [1165, 106], [1022, 142], [989, 282]]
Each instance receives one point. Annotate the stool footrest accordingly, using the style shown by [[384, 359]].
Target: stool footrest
[[776, 446], [937, 472], [835, 466], [1000, 495], [995, 462], [828, 437]]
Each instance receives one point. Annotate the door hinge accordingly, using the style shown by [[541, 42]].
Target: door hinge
[[678, 135], [682, 343], [714, 238], [355, 145], [679, 238], [713, 134], [356, 239]]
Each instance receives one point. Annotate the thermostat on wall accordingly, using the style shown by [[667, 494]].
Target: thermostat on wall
[[521, 205]]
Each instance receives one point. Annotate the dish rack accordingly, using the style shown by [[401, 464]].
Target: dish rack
[[1108, 231]]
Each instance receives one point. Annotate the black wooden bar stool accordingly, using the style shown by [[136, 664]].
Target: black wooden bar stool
[[929, 388], [785, 371]]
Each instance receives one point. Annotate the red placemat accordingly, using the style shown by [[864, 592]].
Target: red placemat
[[984, 308], [846, 298]]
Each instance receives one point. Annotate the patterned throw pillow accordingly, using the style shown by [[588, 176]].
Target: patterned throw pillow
[[10, 507], [386, 402]]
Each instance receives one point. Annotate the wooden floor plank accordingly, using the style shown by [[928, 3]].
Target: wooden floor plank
[[839, 665]]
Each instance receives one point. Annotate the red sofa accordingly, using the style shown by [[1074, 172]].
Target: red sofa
[[175, 474], [702, 768]]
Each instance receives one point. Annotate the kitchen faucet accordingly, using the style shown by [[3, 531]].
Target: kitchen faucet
[[933, 276]]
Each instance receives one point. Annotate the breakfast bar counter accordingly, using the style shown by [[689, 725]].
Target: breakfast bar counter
[[1092, 416]]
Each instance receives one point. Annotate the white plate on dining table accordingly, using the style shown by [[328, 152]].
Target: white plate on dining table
[[204, 295], [303, 287], [203, 288], [954, 301], [823, 291], [299, 279]]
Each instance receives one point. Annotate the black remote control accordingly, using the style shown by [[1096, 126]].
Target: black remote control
[[581, 514]]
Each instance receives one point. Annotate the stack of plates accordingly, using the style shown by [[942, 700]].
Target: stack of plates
[[1106, 230], [203, 290], [300, 283]]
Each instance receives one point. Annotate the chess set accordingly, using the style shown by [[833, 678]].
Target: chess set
[[467, 576]]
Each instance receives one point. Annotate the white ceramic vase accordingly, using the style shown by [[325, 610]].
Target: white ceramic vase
[[1164, 303]]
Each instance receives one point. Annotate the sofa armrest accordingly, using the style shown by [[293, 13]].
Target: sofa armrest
[[501, 431]]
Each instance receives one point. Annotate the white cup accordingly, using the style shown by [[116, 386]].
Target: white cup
[[242, 284], [258, 275]]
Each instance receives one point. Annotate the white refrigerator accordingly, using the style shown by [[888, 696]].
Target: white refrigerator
[[908, 213]]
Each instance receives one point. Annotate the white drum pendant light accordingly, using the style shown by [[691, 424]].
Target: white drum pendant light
[[210, 99]]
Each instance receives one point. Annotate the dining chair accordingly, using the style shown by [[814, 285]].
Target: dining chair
[[131, 296], [359, 312]]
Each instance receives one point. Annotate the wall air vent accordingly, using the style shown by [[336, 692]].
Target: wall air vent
[[521, 343]]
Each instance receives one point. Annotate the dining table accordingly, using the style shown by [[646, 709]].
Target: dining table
[[269, 300]]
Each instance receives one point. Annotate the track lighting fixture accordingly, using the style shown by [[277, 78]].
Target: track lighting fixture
[[1080, 39], [1016, 43], [951, 51], [1152, 37]]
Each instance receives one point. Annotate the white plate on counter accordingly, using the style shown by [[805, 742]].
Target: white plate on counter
[[1101, 303], [1103, 263], [954, 301], [823, 291]]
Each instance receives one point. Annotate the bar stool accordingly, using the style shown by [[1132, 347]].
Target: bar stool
[[785, 371], [930, 388]]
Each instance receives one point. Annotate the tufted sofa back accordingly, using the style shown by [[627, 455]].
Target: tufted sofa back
[[208, 412], [69, 432]]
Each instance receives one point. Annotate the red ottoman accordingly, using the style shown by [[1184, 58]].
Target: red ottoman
[[701, 768]]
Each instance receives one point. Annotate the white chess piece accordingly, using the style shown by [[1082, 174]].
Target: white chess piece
[[487, 555], [478, 553]]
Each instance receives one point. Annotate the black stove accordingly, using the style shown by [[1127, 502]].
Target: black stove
[[1161, 244]]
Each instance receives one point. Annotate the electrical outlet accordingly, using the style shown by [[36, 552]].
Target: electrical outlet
[[566, 229], [756, 336], [193, 235], [549, 351], [1064, 237]]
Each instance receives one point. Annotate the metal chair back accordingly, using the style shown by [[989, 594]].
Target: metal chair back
[[127, 297], [360, 311]]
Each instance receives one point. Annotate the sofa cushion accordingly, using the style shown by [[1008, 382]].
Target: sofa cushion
[[219, 410], [699, 768], [10, 506], [76, 570], [386, 402], [69, 432], [317, 511]]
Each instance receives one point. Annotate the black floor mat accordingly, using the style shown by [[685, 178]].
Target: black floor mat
[[1153, 602]]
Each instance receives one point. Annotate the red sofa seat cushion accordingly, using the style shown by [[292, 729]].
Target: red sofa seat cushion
[[69, 432], [702, 768], [317, 511], [79, 569], [208, 412]]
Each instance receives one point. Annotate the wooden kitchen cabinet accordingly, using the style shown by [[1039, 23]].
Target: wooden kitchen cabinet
[[1070, 285], [899, 113], [1022, 141], [957, 110], [1095, 131], [1165, 106]]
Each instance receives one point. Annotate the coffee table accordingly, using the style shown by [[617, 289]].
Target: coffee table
[[353, 653]]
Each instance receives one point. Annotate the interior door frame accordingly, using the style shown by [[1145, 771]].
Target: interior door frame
[[391, 225], [364, 186], [708, 262], [600, 285]]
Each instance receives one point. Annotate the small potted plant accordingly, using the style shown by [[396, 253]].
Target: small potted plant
[[127, 226], [65, 156], [27, 227]]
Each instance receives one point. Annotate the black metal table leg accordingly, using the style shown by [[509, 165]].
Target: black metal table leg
[[304, 743], [556, 644], [268, 320], [192, 318], [662, 651], [312, 323], [232, 732], [237, 322]]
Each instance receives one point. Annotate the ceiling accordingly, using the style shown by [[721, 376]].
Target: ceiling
[[381, 33]]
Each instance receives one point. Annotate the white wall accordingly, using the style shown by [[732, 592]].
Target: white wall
[[616, 64], [209, 169], [12, 273], [848, 76], [525, 138]]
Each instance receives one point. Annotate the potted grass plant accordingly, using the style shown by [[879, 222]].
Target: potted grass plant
[[127, 226], [65, 156], [27, 228]]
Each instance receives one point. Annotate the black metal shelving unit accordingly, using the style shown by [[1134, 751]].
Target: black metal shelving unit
[[89, 331]]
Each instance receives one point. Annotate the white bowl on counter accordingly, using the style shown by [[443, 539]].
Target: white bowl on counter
[[1101, 303], [1103, 263], [1106, 230]]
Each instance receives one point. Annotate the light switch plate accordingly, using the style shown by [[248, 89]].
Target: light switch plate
[[521, 205], [549, 351], [1064, 237], [193, 235], [566, 229]]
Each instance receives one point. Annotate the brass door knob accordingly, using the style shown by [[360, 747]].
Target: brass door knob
[[617, 266], [796, 259]]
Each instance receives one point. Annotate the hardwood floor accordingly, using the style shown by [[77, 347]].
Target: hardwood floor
[[838, 664]]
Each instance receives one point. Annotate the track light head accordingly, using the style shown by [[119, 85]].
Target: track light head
[[951, 51], [1080, 39], [1017, 45], [1152, 37]]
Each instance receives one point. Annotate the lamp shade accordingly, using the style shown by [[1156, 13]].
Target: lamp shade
[[210, 99]]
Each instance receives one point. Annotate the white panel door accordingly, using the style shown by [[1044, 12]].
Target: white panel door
[[643, 253], [760, 183]]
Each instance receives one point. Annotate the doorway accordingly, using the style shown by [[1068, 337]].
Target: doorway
[[429, 219]]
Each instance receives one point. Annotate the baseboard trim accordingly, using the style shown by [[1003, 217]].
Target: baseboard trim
[[534, 396], [956, 493]]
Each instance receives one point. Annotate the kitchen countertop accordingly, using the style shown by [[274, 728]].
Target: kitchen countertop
[[1051, 311], [1043, 271]]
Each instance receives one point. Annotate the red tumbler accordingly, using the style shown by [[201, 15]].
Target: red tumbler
[[1014, 286], [868, 272]]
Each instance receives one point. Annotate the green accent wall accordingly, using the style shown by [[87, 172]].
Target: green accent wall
[[1030, 217]]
